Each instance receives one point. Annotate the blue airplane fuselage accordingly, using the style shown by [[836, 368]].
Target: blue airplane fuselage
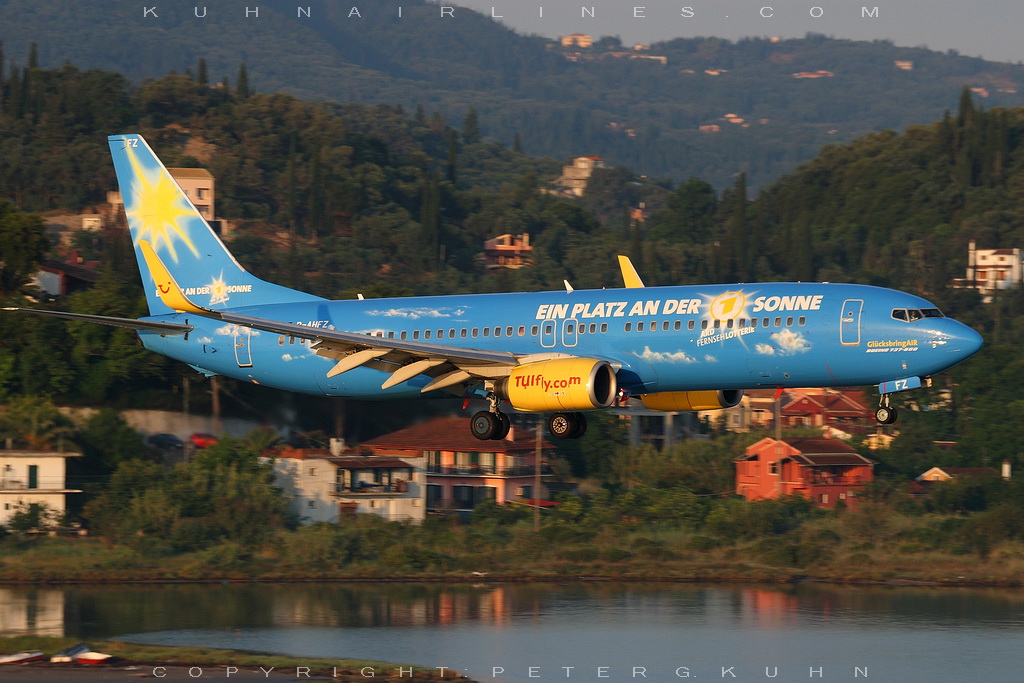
[[659, 339]]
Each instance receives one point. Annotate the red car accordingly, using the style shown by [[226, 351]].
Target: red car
[[202, 439]]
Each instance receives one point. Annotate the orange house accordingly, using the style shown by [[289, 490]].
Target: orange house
[[825, 471], [463, 471]]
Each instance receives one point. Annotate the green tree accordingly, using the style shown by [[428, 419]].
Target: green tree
[[22, 246]]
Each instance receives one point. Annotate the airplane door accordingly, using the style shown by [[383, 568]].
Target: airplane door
[[569, 332], [547, 333], [243, 352], [849, 322]]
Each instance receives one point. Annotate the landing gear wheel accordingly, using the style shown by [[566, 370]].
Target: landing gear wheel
[[484, 425], [567, 425], [885, 415], [581, 425], [563, 425], [506, 425]]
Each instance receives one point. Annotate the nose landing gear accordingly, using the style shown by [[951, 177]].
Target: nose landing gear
[[885, 414]]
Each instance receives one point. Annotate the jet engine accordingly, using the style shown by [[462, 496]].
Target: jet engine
[[682, 401], [561, 384]]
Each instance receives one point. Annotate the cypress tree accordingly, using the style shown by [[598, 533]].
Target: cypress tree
[[242, 89], [33, 57], [453, 154], [203, 77], [471, 127]]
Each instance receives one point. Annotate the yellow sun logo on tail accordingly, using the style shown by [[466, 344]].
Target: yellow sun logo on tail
[[157, 207]]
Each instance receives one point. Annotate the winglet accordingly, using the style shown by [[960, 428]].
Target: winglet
[[166, 288], [629, 275]]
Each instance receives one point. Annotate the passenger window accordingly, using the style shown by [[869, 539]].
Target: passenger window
[[534, 330], [451, 333], [522, 330], [549, 329], [593, 328], [640, 327], [463, 332], [403, 335], [497, 331], [628, 327], [391, 334], [690, 325], [509, 330], [753, 322], [765, 322], [604, 327], [729, 323], [487, 331], [743, 322], [415, 334], [789, 321], [778, 322], [569, 329], [582, 329], [426, 334], [475, 332], [678, 325], [704, 324], [801, 321], [718, 324]]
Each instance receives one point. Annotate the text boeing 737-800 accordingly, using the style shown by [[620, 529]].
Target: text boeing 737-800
[[676, 348]]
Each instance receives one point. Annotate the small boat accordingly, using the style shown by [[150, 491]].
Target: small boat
[[92, 658], [22, 657], [68, 653]]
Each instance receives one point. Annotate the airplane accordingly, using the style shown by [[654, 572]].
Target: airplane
[[677, 348]]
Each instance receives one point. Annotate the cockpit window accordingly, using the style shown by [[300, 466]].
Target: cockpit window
[[909, 315]]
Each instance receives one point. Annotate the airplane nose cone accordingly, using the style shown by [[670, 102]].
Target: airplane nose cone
[[966, 342]]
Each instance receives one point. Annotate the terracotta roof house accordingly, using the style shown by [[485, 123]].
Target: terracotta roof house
[[322, 487], [825, 471], [462, 471]]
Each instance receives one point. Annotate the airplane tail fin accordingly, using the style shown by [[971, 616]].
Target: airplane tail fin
[[162, 216]]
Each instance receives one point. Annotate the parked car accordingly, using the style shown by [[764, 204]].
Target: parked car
[[202, 439], [165, 441]]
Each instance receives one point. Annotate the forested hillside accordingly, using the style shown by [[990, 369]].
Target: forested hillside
[[608, 100], [340, 199]]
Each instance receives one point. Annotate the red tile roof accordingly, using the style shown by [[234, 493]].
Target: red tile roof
[[452, 434]]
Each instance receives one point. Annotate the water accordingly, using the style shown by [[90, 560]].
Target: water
[[568, 632]]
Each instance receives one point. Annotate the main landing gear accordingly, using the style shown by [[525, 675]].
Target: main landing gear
[[567, 425], [490, 424], [885, 414], [494, 424]]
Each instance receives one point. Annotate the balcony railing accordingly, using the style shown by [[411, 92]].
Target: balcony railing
[[371, 489], [481, 471]]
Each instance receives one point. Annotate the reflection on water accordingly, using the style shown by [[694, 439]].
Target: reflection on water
[[894, 634], [32, 611]]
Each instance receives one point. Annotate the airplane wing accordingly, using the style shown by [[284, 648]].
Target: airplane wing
[[129, 323], [403, 359]]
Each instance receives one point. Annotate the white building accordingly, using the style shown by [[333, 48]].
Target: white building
[[989, 270], [321, 487], [28, 477]]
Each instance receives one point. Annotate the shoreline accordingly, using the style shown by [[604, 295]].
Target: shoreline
[[759, 577]]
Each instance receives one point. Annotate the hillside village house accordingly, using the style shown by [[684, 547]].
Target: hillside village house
[[507, 251], [990, 270], [322, 487], [463, 471], [826, 471], [29, 477]]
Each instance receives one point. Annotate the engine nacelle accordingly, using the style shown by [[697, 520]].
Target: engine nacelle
[[683, 401], [561, 384]]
